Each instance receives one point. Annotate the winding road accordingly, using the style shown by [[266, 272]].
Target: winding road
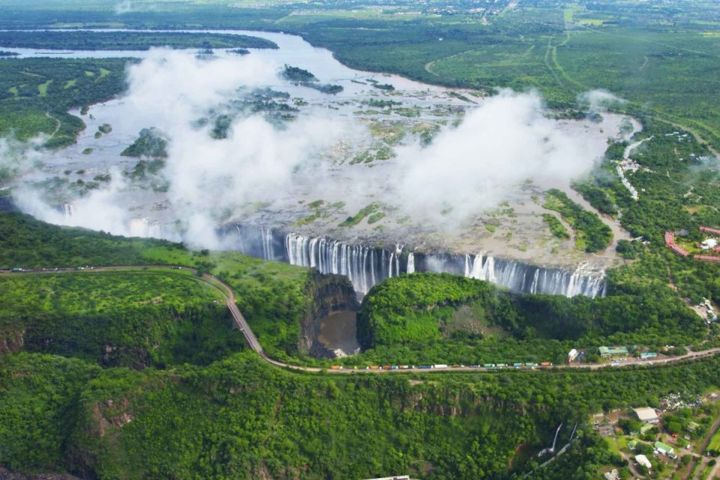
[[242, 324]]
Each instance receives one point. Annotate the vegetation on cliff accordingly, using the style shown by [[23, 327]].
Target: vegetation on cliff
[[428, 318], [272, 296], [132, 319], [241, 418]]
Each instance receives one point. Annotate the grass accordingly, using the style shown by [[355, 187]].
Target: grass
[[319, 210], [714, 444], [43, 88]]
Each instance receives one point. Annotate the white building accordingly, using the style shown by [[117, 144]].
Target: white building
[[647, 415], [612, 475], [572, 355], [709, 244], [643, 460]]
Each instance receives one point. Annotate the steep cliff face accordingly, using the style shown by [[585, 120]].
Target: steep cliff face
[[329, 293]]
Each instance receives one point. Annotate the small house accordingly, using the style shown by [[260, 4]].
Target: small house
[[614, 352], [664, 449]]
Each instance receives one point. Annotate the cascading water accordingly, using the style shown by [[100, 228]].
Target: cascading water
[[268, 251], [519, 277], [359, 263], [367, 266]]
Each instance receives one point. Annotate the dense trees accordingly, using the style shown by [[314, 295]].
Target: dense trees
[[29, 243], [150, 143], [241, 418], [272, 296], [427, 318], [69, 40], [591, 234], [117, 318], [36, 94]]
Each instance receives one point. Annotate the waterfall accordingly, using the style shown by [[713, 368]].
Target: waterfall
[[398, 252], [68, 210], [357, 262], [411, 263], [523, 278], [366, 266], [267, 245]]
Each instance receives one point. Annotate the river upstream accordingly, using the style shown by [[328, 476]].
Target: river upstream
[[384, 176]]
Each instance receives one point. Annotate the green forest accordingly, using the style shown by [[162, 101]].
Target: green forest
[[69, 40], [275, 296], [36, 94], [429, 318], [135, 319], [241, 418], [85, 412]]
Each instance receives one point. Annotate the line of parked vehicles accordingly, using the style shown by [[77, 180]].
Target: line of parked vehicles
[[44, 269], [442, 366]]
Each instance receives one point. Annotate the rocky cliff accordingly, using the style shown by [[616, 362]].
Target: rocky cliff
[[329, 293]]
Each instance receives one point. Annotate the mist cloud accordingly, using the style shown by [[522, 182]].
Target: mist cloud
[[599, 100], [17, 156], [500, 144], [496, 148]]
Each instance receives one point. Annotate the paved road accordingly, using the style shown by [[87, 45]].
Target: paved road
[[255, 345]]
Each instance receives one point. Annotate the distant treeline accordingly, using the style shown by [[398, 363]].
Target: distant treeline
[[84, 40]]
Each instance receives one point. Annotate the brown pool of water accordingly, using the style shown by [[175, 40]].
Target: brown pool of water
[[338, 333]]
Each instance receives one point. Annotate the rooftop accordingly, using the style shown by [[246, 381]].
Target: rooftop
[[663, 447], [643, 460], [646, 414], [614, 351]]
